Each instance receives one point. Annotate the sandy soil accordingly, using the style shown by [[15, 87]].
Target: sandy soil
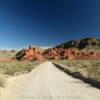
[[46, 82]]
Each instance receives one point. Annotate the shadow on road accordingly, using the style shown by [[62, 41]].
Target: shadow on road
[[79, 76]]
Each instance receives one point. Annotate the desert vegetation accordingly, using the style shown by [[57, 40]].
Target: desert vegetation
[[2, 80], [86, 68], [9, 69], [89, 43], [79, 56], [7, 53]]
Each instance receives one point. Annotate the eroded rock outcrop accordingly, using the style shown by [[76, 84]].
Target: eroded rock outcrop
[[72, 54], [55, 53], [29, 54]]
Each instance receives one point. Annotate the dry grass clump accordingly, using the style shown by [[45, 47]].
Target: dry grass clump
[[2, 80], [9, 69], [87, 68], [16, 67], [7, 54]]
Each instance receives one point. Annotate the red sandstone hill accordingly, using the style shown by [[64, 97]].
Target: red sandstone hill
[[70, 50], [30, 54], [60, 53]]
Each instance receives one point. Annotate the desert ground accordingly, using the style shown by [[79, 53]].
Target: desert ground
[[46, 82], [32, 74]]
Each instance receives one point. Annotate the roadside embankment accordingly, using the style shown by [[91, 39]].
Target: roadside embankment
[[77, 74]]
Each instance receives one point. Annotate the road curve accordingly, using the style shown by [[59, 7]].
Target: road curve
[[46, 82]]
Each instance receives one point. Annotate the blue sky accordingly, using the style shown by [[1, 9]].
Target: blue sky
[[47, 22]]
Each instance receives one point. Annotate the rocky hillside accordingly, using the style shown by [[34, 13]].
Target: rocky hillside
[[69, 50], [75, 49], [30, 54], [90, 42]]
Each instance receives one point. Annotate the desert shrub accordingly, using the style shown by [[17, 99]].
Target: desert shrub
[[87, 68], [20, 54], [93, 71], [2, 81], [17, 67]]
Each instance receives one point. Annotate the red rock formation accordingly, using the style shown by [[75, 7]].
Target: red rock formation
[[57, 53], [93, 55], [60, 53], [32, 54]]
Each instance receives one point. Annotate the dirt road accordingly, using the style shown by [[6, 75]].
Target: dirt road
[[47, 82]]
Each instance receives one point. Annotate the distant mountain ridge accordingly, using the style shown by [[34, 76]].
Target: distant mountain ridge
[[81, 44]]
